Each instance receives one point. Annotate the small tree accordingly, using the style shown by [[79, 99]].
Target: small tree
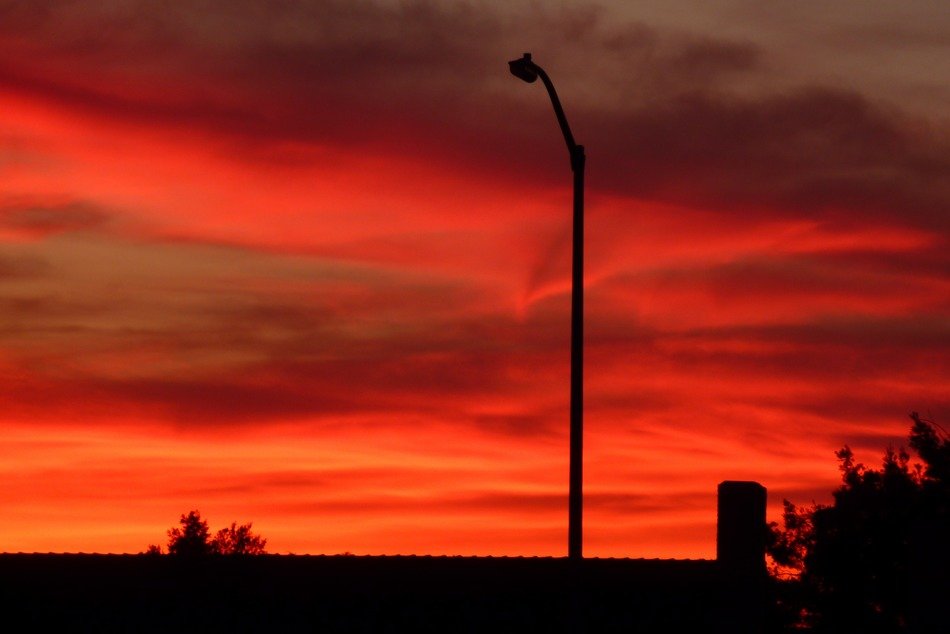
[[238, 540], [191, 539]]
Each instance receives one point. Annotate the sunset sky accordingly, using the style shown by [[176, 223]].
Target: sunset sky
[[306, 264]]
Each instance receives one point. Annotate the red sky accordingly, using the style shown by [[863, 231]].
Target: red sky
[[306, 264]]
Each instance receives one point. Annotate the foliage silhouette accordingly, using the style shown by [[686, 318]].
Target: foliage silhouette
[[193, 539], [238, 540], [867, 562]]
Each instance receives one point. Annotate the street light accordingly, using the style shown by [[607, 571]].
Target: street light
[[528, 71]]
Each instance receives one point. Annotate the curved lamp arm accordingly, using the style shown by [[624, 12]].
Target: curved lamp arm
[[528, 71]]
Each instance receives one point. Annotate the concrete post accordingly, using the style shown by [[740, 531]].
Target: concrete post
[[741, 527]]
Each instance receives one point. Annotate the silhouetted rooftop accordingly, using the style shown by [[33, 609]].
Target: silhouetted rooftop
[[372, 593]]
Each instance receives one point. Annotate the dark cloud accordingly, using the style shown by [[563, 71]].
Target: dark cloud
[[843, 361], [920, 265], [813, 283], [700, 61], [390, 378], [22, 267], [199, 352], [821, 153], [512, 502], [36, 219], [857, 330], [246, 348], [665, 116], [789, 277], [878, 411], [534, 424], [892, 35], [449, 378], [661, 114]]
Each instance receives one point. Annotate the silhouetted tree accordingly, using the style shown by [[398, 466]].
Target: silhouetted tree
[[191, 539], [862, 559], [238, 540]]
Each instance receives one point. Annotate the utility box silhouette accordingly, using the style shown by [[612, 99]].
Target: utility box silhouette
[[741, 527]]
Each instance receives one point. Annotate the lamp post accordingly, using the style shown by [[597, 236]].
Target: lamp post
[[528, 71]]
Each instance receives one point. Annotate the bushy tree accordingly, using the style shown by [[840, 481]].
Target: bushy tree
[[861, 560], [193, 539], [238, 540]]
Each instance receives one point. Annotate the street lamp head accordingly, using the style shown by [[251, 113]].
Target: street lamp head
[[524, 68]]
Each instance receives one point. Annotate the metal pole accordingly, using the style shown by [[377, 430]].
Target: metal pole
[[528, 71], [576, 495], [575, 502]]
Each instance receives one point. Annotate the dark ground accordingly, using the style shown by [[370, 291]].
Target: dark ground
[[374, 594]]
